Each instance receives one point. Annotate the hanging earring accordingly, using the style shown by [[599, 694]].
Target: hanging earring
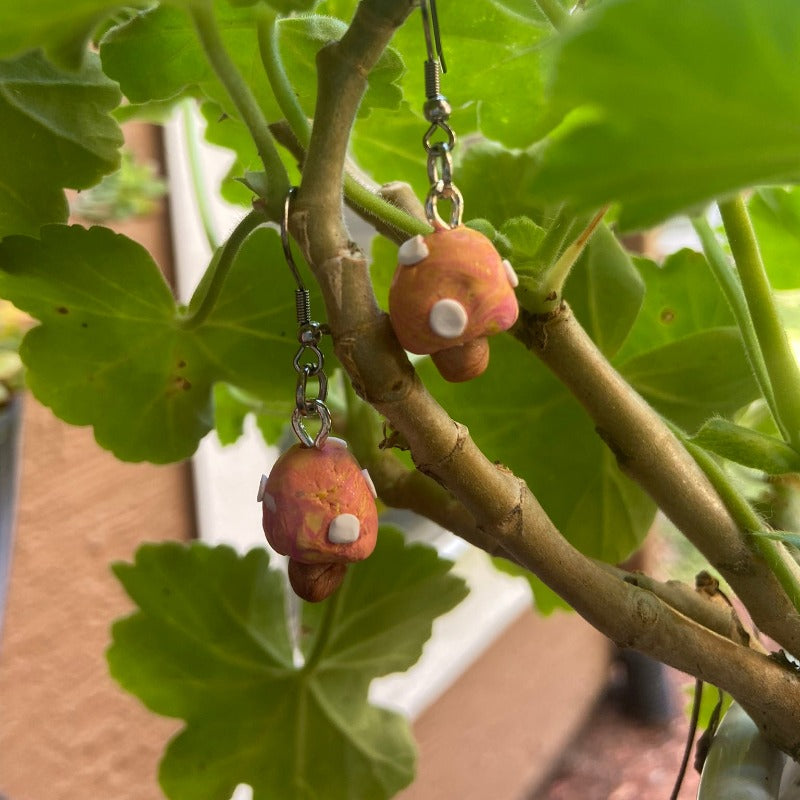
[[452, 288], [318, 504]]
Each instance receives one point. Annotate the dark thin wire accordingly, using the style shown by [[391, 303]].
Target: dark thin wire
[[687, 752], [437, 38], [287, 250]]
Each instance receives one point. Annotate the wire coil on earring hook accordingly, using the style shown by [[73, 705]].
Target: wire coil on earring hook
[[309, 360]]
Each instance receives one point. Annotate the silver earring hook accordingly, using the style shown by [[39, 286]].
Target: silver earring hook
[[430, 19], [287, 250], [308, 335]]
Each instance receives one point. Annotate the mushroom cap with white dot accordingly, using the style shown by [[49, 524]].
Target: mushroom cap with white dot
[[370, 483], [262, 488], [448, 318], [412, 251], [344, 529], [513, 279], [269, 502]]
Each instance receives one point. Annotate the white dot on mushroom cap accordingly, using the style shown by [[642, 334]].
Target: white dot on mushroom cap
[[448, 318], [337, 441], [412, 251], [510, 274], [344, 529], [269, 502], [368, 479], [262, 488]]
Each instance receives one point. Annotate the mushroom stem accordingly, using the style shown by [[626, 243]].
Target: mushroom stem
[[463, 362]]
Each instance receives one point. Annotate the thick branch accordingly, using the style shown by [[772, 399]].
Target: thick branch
[[500, 504], [648, 452]]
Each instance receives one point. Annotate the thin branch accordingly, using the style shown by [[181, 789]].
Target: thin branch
[[781, 364], [205, 23], [649, 453], [728, 281], [208, 291]]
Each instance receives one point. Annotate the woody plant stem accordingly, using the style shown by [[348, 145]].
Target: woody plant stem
[[501, 505]]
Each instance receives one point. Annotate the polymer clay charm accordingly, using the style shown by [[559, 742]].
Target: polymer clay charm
[[319, 509], [451, 290], [318, 505]]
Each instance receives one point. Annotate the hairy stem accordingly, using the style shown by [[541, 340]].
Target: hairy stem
[[781, 364], [782, 565], [556, 14], [208, 291], [199, 188], [732, 289], [208, 33]]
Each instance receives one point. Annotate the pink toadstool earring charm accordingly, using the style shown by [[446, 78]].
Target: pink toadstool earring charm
[[319, 509], [318, 505], [451, 288]]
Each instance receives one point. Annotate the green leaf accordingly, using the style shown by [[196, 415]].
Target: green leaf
[[230, 133], [605, 291], [209, 644], [748, 447], [684, 354], [56, 133], [775, 214], [524, 237], [111, 350], [388, 146], [62, 29], [694, 378], [156, 35], [679, 102], [682, 297], [231, 407], [299, 40], [520, 415], [494, 64], [498, 184], [545, 600]]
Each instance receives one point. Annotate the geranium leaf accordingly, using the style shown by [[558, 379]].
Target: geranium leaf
[[112, 350], [749, 447], [775, 213], [209, 644], [541, 432], [684, 354], [56, 133], [679, 102], [62, 29]]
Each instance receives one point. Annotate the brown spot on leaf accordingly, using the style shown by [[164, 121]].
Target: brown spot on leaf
[[667, 315], [62, 310]]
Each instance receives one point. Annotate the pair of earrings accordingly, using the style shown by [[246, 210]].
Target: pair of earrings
[[451, 290]]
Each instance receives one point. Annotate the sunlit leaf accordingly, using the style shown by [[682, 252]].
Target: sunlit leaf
[[679, 101], [209, 645], [775, 214]]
